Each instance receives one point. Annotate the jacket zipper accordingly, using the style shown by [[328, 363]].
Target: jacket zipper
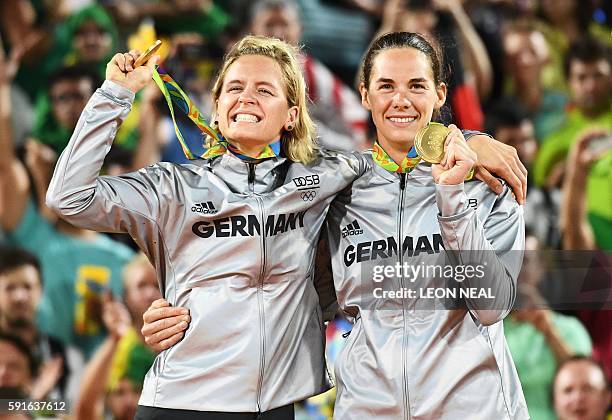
[[260, 305], [400, 254], [251, 177]]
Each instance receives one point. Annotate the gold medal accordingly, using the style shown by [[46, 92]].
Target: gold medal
[[144, 57], [429, 142]]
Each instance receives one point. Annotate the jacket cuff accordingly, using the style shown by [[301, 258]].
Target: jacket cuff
[[451, 199], [468, 134], [116, 91]]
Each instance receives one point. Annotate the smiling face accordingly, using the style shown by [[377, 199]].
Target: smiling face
[[402, 95], [252, 107]]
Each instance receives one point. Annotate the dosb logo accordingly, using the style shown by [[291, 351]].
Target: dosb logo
[[204, 208], [306, 182]]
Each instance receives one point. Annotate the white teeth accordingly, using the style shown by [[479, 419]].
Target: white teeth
[[246, 118], [402, 120]]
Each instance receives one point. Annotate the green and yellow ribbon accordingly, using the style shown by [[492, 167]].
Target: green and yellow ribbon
[[381, 157], [410, 162], [175, 96], [271, 150]]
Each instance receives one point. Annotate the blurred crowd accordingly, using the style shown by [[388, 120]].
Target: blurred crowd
[[535, 74]]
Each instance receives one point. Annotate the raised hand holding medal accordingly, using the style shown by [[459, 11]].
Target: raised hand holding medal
[[445, 147], [132, 69]]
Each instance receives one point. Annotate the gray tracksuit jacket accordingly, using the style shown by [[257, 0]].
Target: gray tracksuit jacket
[[418, 357], [233, 242]]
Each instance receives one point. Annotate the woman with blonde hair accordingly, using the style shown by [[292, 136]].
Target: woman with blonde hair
[[232, 236]]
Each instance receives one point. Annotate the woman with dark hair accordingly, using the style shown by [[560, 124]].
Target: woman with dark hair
[[425, 344], [470, 74]]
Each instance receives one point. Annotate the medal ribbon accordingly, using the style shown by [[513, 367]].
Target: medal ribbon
[[175, 96], [410, 162], [382, 158], [222, 146]]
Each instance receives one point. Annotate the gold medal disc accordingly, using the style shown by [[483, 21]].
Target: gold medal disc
[[429, 142]]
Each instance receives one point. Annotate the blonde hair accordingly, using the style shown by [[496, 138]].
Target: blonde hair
[[299, 143]]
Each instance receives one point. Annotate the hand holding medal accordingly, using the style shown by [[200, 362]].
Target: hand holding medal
[[446, 149], [429, 142], [132, 69]]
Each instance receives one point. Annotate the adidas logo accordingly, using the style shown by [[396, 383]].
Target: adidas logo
[[352, 229], [205, 208]]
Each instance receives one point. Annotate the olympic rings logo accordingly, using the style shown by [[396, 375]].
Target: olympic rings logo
[[308, 195]]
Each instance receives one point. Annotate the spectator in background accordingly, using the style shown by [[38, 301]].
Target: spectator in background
[[589, 70], [88, 37], [58, 109], [508, 121], [203, 17], [586, 209], [116, 372], [57, 112], [447, 21], [20, 293], [565, 22], [341, 120], [525, 54], [588, 172], [489, 18], [22, 116], [78, 265], [17, 364], [55, 40], [25, 25], [337, 33], [17, 20], [581, 390], [539, 338]]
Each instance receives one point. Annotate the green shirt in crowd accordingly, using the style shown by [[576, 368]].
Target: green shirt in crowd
[[599, 180], [76, 273], [535, 361]]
